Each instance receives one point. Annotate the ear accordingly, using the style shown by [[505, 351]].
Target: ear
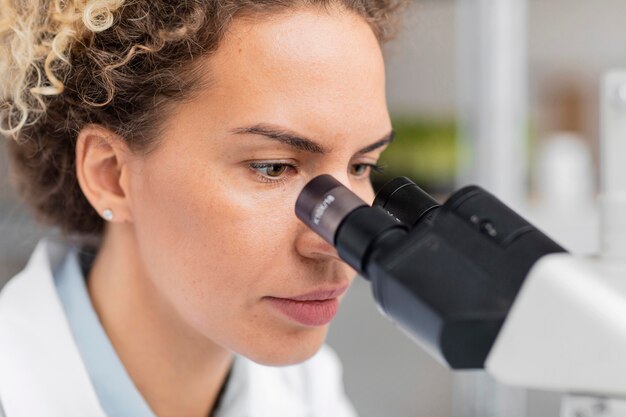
[[102, 159]]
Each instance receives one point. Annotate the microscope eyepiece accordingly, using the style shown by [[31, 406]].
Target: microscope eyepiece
[[324, 203], [345, 221], [406, 201]]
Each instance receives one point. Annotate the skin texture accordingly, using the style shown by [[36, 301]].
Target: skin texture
[[202, 234]]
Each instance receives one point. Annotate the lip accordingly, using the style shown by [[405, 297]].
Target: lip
[[315, 308], [319, 295]]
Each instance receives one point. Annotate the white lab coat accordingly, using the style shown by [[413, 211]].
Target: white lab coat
[[42, 373]]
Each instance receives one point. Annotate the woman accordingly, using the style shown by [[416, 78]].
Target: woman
[[170, 140]]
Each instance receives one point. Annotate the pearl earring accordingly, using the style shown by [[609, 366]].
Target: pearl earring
[[107, 214]]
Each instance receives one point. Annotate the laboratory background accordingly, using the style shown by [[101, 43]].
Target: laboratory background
[[500, 93]]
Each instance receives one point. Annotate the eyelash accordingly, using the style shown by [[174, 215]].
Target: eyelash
[[256, 166]]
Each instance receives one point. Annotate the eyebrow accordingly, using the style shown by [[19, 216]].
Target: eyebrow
[[302, 143]]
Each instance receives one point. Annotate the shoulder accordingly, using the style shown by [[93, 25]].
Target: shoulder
[[38, 357]]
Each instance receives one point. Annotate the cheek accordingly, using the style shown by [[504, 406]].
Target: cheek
[[212, 244]]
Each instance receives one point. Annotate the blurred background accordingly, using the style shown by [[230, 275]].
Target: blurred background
[[503, 93]]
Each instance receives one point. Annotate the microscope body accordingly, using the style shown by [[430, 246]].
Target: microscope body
[[458, 271], [479, 287]]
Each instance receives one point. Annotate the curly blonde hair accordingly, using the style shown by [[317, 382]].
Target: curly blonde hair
[[117, 63]]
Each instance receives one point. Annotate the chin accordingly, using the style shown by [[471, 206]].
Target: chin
[[288, 350]]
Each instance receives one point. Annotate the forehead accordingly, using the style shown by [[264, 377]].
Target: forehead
[[312, 38], [302, 67]]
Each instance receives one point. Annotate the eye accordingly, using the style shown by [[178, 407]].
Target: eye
[[271, 171], [360, 170]]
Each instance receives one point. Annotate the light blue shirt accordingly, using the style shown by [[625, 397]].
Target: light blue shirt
[[118, 395]]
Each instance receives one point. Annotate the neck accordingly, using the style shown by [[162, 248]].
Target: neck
[[178, 371]]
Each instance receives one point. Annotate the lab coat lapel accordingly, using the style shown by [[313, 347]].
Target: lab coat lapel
[[41, 373], [276, 392], [263, 391]]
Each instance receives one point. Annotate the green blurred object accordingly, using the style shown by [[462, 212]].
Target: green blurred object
[[423, 150]]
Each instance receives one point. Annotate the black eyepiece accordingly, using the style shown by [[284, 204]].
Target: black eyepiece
[[406, 201], [324, 203], [344, 220]]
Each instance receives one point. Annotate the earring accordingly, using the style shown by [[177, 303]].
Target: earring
[[107, 214]]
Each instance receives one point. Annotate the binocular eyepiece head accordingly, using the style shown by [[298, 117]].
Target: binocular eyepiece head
[[354, 228], [324, 203]]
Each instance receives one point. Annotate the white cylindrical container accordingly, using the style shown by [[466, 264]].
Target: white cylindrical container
[[613, 167]]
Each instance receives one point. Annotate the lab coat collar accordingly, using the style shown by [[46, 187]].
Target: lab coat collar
[[260, 391]]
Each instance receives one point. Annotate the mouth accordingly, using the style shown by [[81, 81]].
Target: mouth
[[315, 308]]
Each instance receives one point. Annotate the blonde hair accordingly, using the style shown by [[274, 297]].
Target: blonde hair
[[117, 63], [36, 41]]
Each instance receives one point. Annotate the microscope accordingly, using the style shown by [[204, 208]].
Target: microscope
[[479, 287]]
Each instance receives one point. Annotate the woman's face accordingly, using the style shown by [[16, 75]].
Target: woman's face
[[291, 96]]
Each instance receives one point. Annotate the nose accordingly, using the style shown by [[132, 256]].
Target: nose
[[312, 246]]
